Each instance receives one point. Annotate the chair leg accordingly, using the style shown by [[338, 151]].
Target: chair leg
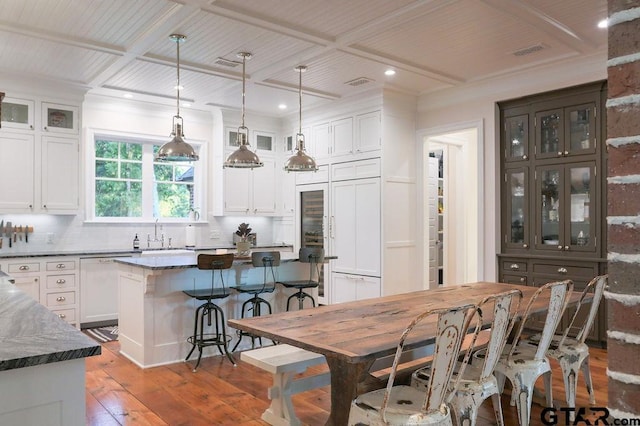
[[586, 371], [523, 383], [546, 377], [465, 409], [497, 408]]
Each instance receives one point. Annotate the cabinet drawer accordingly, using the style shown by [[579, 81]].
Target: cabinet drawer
[[61, 299], [514, 266], [568, 270], [514, 279], [60, 281], [355, 169], [65, 265], [321, 176], [69, 315], [24, 267]]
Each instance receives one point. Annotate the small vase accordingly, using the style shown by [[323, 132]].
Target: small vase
[[243, 248]]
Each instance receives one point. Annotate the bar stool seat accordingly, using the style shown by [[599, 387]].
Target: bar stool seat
[[314, 256], [215, 334], [268, 260]]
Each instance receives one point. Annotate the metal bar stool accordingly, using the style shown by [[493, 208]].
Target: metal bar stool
[[216, 335], [266, 260], [314, 256]]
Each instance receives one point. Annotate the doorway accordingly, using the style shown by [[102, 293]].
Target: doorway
[[452, 215]]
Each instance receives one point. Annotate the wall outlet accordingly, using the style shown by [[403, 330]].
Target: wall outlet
[[50, 237], [214, 234]]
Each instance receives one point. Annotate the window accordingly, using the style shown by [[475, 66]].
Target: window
[[129, 184]]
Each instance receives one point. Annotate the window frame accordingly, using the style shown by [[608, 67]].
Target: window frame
[[199, 193]]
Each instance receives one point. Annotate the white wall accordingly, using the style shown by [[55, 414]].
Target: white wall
[[477, 101]]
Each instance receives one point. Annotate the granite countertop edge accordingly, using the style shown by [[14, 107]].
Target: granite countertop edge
[[44, 339]]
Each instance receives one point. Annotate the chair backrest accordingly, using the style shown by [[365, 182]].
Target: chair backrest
[[597, 286], [267, 260], [314, 256], [505, 307], [215, 262], [452, 325], [559, 292]]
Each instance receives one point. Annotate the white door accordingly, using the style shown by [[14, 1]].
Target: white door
[[432, 220]]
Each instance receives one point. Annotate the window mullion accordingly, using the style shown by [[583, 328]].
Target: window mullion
[[148, 181]]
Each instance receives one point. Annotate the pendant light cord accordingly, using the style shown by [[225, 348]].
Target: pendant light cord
[[244, 62], [178, 77], [300, 102]]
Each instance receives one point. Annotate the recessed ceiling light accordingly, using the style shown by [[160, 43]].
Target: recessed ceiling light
[[128, 95], [186, 104], [603, 24], [390, 72], [180, 87], [282, 106]]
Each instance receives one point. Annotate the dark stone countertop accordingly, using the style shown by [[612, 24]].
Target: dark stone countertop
[[187, 261], [31, 335]]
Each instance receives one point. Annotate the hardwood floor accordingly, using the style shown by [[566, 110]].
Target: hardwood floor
[[120, 393]]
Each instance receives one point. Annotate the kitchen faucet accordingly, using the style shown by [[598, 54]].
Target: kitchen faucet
[[155, 235]]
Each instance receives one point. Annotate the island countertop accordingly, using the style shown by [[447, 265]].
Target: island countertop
[[190, 261], [32, 335]]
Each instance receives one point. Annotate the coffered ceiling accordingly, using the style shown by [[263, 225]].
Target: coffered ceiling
[[122, 46]]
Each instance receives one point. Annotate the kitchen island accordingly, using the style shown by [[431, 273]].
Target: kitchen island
[[41, 363], [156, 317]]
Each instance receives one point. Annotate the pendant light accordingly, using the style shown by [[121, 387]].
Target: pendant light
[[177, 149], [243, 157], [300, 161]]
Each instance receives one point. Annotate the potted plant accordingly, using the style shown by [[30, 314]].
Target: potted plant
[[243, 246]]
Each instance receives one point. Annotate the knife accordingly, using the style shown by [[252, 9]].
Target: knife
[[20, 232], [8, 232], [15, 233], [26, 234]]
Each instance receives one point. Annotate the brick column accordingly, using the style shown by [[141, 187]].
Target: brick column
[[623, 208]]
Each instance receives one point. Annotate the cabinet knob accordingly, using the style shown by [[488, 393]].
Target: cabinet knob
[[61, 281], [62, 316], [566, 153], [562, 271], [525, 157], [523, 279], [514, 267], [24, 268], [60, 299], [60, 266], [525, 246], [559, 153], [567, 247]]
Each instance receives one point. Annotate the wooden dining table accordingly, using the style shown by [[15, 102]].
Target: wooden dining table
[[353, 335]]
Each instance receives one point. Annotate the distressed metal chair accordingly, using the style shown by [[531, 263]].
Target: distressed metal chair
[[314, 256], [522, 363], [408, 405], [570, 349], [267, 260], [478, 381], [215, 334]]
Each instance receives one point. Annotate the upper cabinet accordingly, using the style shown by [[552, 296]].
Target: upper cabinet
[[39, 157], [18, 114], [552, 174], [250, 191]]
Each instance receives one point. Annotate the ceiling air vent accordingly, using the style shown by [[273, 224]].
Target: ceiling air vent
[[227, 63], [529, 50], [359, 81]]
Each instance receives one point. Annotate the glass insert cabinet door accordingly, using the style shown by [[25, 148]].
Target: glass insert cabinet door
[[517, 208], [565, 214], [57, 118], [17, 113], [517, 138], [549, 134], [581, 129]]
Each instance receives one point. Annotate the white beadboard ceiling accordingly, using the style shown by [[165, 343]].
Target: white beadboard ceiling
[[115, 47]]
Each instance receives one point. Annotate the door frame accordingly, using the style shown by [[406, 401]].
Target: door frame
[[465, 257]]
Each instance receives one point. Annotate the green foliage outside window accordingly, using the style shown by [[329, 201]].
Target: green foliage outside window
[[119, 179]]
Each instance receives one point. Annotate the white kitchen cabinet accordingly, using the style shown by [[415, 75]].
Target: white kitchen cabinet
[[251, 192], [318, 146], [368, 132], [342, 136], [60, 174], [347, 287], [288, 193], [18, 114], [355, 234], [30, 284], [40, 163], [17, 172], [98, 290]]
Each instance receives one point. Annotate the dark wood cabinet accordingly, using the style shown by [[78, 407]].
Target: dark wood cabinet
[[552, 190]]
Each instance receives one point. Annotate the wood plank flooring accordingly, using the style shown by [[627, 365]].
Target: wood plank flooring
[[120, 393]]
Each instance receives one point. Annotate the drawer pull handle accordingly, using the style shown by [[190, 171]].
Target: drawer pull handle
[[62, 316], [24, 268], [61, 281], [60, 266], [562, 270], [514, 267], [60, 299]]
